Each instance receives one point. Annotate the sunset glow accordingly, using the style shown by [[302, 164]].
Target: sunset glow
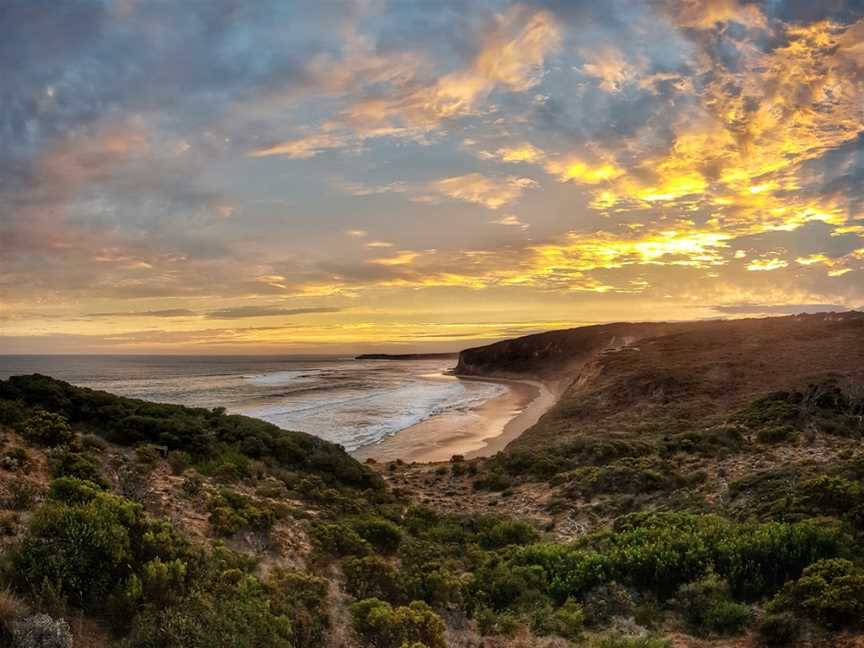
[[250, 177]]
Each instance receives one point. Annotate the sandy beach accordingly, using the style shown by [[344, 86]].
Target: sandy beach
[[479, 432]]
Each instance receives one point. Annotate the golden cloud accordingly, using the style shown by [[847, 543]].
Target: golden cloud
[[302, 148], [482, 190]]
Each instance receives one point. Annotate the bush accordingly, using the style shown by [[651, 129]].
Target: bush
[[383, 534], [494, 480], [829, 591], [567, 621], [508, 532], [93, 442], [15, 459], [41, 631], [179, 461], [605, 602], [87, 545], [47, 428], [147, 454], [708, 607], [776, 433], [779, 628], [23, 494], [618, 641], [11, 413], [233, 612], [302, 597], [384, 626], [372, 577], [230, 512], [490, 622], [339, 540], [80, 466], [658, 553]]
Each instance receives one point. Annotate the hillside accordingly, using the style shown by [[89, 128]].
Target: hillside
[[697, 484]]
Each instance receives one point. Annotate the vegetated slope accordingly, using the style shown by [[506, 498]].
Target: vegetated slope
[[695, 374], [553, 354], [699, 484], [621, 372]]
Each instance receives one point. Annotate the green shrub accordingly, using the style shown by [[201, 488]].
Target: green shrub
[[231, 612], [23, 493], [86, 545], [776, 433], [302, 597], [658, 553], [708, 607], [72, 490], [147, 454], [779, 628], [339, 540], [605, 602], [490, 622], [179, 461], [230, 512], [387, 627], [372, 577], [620, 641], [93, 442], [382, 534], [507, 532], [11, 413], [494, 480], [80, 466], [14, 459], [828, 591], [47, 428], [567, 621]]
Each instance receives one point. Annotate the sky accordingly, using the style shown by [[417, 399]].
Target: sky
[[256, 176]]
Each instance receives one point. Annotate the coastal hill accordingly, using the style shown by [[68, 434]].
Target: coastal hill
[[696, 484], [694, 371]]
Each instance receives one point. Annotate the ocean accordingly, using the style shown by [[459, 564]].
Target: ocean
[[355, 403]]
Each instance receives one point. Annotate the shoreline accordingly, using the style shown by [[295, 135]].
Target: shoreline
[[479, 432]]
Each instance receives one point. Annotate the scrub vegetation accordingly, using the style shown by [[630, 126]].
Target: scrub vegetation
[[648, 505]]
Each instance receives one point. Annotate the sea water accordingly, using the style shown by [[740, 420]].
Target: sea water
[[351, 402]]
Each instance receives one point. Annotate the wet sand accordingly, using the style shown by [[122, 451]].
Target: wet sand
[[479, 432]]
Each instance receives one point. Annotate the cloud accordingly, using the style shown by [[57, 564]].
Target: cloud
[[301, 148], [168, 312], [609, 65], [403, 257], [511, 57], [766, 265], [492, 193], [688, 154], [239, 312], [511, 220]]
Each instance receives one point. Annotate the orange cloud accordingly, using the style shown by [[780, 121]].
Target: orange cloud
[[482, 190]]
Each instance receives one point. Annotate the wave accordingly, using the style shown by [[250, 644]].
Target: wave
[[366, 418]]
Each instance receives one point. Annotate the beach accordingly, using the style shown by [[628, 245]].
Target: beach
[[480, 431]]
